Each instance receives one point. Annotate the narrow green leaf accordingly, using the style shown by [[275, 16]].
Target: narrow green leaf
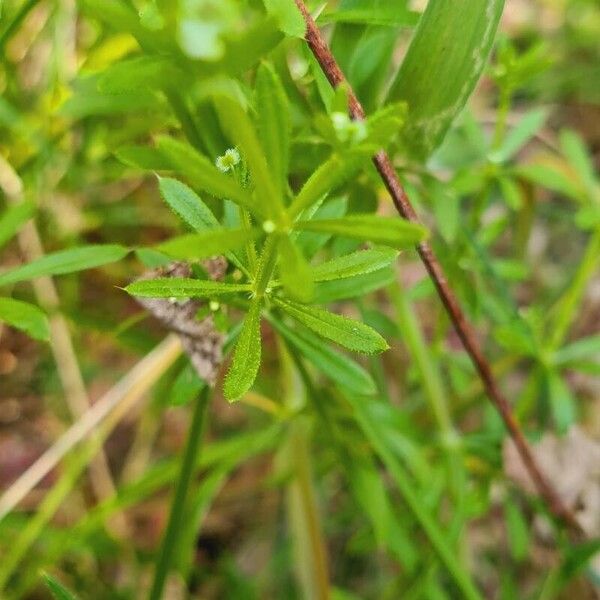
[[351, 334], [295, 273], [208, 243], [527, 127], [240, 130], [552, 175], [357, 286], [274, 123], [288, 17], [66, 261], [391, 231], [579, 350], [142, 157], [12, 219], [175, 287], [57, 589], [579, 157], [444, 61], [187, 204], [517, 529], [202, 173], [246, 356], [357, 263], [26, 317], [330, 175], [338, 367], [562, 402]]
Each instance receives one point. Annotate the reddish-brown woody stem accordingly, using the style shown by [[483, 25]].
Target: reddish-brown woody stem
[[384, 166]]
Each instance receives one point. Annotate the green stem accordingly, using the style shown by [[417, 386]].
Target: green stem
[[266, 265], [169, 543], [433, 388], [250, 247]]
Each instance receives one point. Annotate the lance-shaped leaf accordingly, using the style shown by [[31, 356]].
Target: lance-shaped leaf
[[57, 589], [379, 230], [357, 263], [352, 287], [444, 61], [66, 261], [26, 317], [12, 219], [201, 173], [351, 334], [274, 124], [187, 204], [240, 130], [182, 287], [331, 174], [335, 365], [295, 273], [208, 243], [246, 356]]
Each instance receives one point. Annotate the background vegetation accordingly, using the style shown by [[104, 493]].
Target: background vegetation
[[336, 474]]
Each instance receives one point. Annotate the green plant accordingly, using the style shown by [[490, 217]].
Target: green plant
[[346, 374]]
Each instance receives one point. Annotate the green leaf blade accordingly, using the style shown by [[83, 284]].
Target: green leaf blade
[[246, 356], [392, 232], [185, 203], [66, 261], [336, 366], [57, 589], [208, 243], [356, 263], [26, 317], [351, 334], [330, 175], [444, 61], [274, 123], [175, 287]]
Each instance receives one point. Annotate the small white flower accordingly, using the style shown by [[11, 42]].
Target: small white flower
[[214, 305], [228, 161]]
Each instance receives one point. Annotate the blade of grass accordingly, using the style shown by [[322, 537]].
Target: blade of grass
[[169, 543]]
